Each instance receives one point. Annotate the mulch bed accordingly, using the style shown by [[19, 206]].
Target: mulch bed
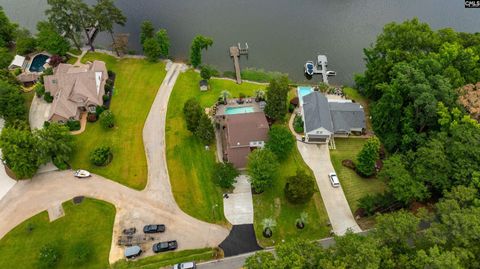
[[78, 199]]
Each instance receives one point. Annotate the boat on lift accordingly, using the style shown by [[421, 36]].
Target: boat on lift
[[309, 68]]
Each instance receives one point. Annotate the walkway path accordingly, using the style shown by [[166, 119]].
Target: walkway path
[[134, 208], [317, 157], [238, 207]]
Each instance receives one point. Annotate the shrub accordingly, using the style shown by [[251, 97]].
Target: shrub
[[48, 97], [49, 256], [111, 74], [99, 110], [108, 85], [17, 71], [60, 164], [39, 90], [367, 157], [299, 188], [280, 141], [82, 252], [298, 124], [73, 125], [377, 203], [101, 156], [205, 130], [92, 117], [55, 60], [224, 174], [105, 97], [48, 71], [262, 168], [192, 112], [206, 72], [107, 119], [291, 108]]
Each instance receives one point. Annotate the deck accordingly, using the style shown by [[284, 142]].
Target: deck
[[235, 54]]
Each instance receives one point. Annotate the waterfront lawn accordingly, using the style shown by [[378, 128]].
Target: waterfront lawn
[[353, 94], [273, 204], [90, 222], [354, 186], [189, 164], [136, 85], [169, 258]]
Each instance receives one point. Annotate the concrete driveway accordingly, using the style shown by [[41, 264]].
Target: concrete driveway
[[317, 157], [134, 208], [238, 207], [39, 112]]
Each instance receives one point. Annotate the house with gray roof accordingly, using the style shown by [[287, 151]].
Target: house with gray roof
[[324, 119]]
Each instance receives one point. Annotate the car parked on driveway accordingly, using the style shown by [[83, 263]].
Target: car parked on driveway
[[132, 252], [185, 265], [334, 180], [154, 228], [165, 246]]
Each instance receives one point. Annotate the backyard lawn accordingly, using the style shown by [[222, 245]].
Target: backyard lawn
[[136, 85], [189, 164], [273, 204], [88, 223], [354, 186]]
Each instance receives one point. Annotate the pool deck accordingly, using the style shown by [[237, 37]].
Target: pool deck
[[248, 102]]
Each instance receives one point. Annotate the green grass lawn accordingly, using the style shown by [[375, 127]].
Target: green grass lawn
[[28, 98], [189, 164], [354, 186], [90, 222], [170, 258], [353, 94], [273, 204], [136, 85]]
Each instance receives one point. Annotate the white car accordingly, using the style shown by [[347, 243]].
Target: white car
[[82, 174], [185, 265], [334, 180]]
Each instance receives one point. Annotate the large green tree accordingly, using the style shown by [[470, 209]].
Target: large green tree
[[280, 141], [299, 187], [7, 29], [192, 112], [262, 167], [199, 43], [146, 31], [152, 49], [55, 143], [368, 156], [25, 43], [277, 92], [50, 40], [5, 58], [107, 15], [12, 106], [224, 175], [163, 41], [205, 131]]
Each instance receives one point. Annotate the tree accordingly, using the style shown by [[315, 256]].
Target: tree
[[107, 14], [368, 156], [152, 49], [396, 230], [198, 44], [11, 103], [7, 29], [101, 156], [55, 143], [107, 119], [20, 151], [163, 41], [192, 112], [50, 40], [5, 58], [299, 188], [261, 260], [432, 165], [403, 187], [146, 31], [277, 92], [280, 141], [224, 175], [206, 72], [24, 42], [262, 167], [205, 130], [224, 96]]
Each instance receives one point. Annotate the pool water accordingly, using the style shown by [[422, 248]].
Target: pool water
[[37, 63], [302, 91], [238, 110]]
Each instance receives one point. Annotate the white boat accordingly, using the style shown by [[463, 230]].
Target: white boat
[[82, 174], [331, 73], [309, 68]]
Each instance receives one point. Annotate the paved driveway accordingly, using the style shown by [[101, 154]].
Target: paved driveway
[[39, 112], [238, 207], [317, 157], [134, 208]]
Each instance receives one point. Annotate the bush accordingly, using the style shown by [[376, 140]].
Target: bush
[[48, 71], [291, 108], [298, 124], [48, 97], [367, 157], [55, 60], [39, 90], [192, 112], [108, 85], [99, 110], [377, 203], [17, 71], [205, 130], [73, 125], [299, 188], [101, 156], [224, 175], [60, 164], [280, 141], [82, 252], [49, 256], [206, 72], [111, 74], [105, 97], [92, 117], [262, 168], [107, 119]]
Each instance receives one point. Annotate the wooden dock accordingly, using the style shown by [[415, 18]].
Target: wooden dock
[[235, 52]]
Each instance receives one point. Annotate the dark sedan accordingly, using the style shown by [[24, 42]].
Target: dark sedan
[[154, 228], [164, 246]]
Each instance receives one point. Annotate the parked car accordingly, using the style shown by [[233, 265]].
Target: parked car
[[82, 174], [130, 231], [185, 265], [132, 252], [164, 246], [334, 180], [154, 228]]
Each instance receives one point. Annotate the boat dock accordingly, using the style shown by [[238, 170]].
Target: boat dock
[[321, 67], [235, 52]]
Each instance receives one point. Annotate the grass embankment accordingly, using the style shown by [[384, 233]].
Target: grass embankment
[[254, 74], [189, 164], [170, 258], [28, 98], [136, 85], [353, 94], [90, 222], [273, 204], [354, 186]]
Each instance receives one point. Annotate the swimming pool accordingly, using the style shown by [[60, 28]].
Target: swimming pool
[[302, 91], [238, 110], [37, 63]]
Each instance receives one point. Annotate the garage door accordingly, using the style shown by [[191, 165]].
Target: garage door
[[317, 139]]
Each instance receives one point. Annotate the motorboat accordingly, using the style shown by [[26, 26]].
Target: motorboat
[[309, 68], [82, 174], [331, 73]]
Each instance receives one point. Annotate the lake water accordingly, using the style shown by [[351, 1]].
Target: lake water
[[281, 34]]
